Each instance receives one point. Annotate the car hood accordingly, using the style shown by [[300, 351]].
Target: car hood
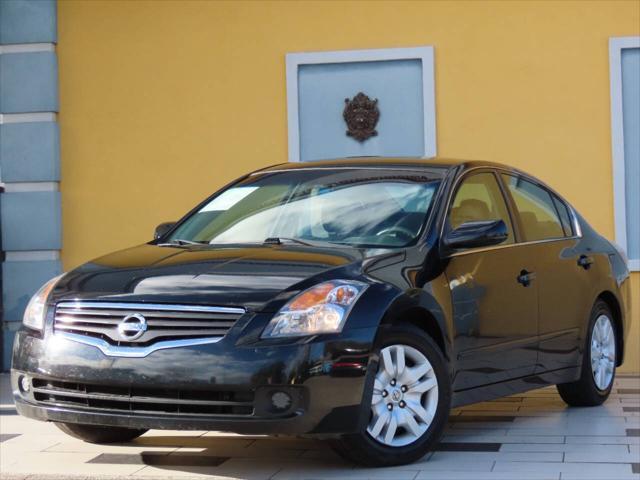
[[256, 278]]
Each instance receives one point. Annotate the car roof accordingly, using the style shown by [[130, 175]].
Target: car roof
[[401, 163]]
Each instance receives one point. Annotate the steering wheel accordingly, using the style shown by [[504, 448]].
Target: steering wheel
[[397, 232]]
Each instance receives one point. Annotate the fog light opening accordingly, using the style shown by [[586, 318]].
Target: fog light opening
[[281, 401], [24, 384]]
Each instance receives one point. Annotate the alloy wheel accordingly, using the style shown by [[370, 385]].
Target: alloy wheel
[[603, 352], [405, 396]]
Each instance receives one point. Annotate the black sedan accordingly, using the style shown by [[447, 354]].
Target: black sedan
[[352, 300]]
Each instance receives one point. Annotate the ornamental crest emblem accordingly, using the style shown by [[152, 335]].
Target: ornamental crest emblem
[[361, 114]]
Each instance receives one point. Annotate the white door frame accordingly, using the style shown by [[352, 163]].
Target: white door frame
[[616, 45]]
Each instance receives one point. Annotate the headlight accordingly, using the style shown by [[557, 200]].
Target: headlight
[[320, 309], [35, 311]]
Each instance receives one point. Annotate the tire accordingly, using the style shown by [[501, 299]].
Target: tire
[[374, 446], [98, 434], [592, 389]]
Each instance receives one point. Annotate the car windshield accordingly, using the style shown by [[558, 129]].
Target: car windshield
[[358, 207]]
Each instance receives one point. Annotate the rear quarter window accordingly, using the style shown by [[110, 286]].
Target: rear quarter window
[[537, 211]]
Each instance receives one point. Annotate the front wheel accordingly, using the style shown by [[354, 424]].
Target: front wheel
[[409, 405], [99, 434], [598, 362]]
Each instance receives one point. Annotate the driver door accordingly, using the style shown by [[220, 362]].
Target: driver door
[[495, 314]]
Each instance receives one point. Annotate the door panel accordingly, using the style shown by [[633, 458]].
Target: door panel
[[564, 289], [563, 283], [495, 314], [495, 317]]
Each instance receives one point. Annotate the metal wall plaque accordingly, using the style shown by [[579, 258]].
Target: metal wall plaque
[[361, 114]]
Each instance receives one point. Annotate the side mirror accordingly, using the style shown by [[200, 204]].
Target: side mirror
[[162, 229], [477, 234]]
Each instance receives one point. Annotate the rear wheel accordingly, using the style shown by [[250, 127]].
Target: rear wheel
[[598, 363], [99, 434], [410, 402]]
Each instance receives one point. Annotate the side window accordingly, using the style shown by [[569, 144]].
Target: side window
[[479, 198], [565, 216], [538, 214]]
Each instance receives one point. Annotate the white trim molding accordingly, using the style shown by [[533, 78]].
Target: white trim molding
[[616, 45], [28, 117], [19, 187], [28, 48], [425, 54]]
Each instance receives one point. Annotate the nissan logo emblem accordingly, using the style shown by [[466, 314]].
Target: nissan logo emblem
[[132, 327]]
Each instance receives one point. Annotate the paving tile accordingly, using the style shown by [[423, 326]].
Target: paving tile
[[8, 436], [79, 446], [462, 430], [565, 447], [605, 470], [603, 440], [303, 472], [589, 475], [259, 469], [468, 447], [459, 464], [600, 457], [630, 409], [492, 438], [629, 391], [425, 475], [62, 464], [180, 459], [481, 418], [30, 442], [192, 441], [499, 456]]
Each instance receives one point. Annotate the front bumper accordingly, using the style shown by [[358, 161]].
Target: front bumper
[[325, 378]]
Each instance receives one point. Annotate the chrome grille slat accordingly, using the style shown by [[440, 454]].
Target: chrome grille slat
[[151, 322], [149, 314], [162, 322]]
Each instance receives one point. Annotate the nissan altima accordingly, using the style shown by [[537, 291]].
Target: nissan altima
[[356, 301]]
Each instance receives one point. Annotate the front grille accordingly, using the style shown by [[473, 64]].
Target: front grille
[[142, 400], [161, 322]]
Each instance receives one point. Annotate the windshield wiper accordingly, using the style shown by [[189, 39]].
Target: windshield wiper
[[281, 240], [178, 242], [297, 241]]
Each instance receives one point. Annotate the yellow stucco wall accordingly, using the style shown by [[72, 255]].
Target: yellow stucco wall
[[163, 102]]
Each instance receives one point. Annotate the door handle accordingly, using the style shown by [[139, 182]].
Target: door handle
[[585, 262], [525, 278]]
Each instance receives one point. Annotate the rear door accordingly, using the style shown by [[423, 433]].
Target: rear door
[[495, 314], [563, 273]]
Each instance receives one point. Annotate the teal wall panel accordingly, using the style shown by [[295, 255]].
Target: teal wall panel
[[28, 82], [21, 280], [28, 21], [29, 152], [30, 221]]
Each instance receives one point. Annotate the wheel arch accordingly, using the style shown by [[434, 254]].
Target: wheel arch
[[616, 310], [424, 312]]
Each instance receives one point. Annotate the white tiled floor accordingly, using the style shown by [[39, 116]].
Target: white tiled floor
[[536, 437]]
